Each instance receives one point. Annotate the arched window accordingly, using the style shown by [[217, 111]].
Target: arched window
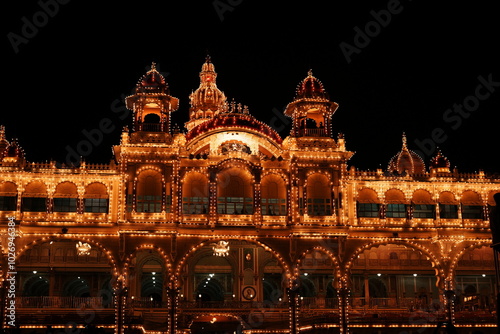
[[368, 204], [396, 207], [423, 205], [8, 196], [319, 196], [448, 205], [195, 194], [472, 207], [34, 198], [149, 191], [96, 198], [273, 190], [234, 192], [65, 197]]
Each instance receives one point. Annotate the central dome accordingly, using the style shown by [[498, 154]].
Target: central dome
[[406, 161]]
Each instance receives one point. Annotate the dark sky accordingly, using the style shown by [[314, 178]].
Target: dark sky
[[421, 60]]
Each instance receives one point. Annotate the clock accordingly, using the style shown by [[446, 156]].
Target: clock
[[248, 293]]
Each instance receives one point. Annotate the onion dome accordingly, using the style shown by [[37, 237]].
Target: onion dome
[[13, 152], [232, 120], [311, 88], [406, 161], [152, 82], [207, 100], [440, 163], [311, 109]]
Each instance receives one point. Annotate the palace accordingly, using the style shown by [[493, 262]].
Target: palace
[[226, 227]]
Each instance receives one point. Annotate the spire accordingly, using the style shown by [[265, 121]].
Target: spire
[[405, 147], [207, 100]]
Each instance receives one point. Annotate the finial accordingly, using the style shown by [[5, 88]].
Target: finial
[[2, 131], [153, 66], [310, 73], [207, 59], [404, 141]]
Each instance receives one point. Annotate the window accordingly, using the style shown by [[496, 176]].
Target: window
[[34, 204], [472, 212], [8, 203], [194, 205], [273, 206], [448, 211], [97, 205], [65, 204], [235, 205], [423, 211], [368, 210], [396, 211], [148, 203], [319, 207]]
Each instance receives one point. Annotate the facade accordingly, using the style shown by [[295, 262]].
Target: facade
[[228, 228]]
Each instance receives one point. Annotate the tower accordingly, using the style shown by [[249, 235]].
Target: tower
[[311, 110], [152, 103], [207, 100]]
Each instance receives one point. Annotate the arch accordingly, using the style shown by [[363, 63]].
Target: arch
[[111, 260], [337, 269], [273, 195], [65, 197], [470, 197], [422, 196], [159, 250], [37, 285], [472, 205], [459, 255], [35, 189], [149, 190], [96, 190], [34, 197], [8, 188], [436, 265], [447, 197], [319, 195], [235, 191], [8, 196], [194, 249], [395, 196], [195, 193], [367, 195], [96, 198]]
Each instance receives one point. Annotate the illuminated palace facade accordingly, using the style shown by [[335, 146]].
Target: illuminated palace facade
[[228, 228]]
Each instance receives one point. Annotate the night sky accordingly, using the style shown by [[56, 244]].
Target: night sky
[[392, 66]]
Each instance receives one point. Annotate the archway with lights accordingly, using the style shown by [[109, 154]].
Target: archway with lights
[[71, 273], [234, 273]]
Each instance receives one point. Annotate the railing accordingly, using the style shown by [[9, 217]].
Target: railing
[[144, 302], [315, 302], [313, 132], [151, 127], [232, 304], [63, 302], [406, 303]]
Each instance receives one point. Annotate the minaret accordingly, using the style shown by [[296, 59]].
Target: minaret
[[152, 103], [207, 100], [311, 110]]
